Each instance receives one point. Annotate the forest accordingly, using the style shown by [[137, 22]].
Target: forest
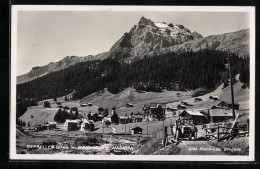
[[173, 71]]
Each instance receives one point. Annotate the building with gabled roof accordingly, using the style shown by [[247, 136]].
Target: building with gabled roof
[[195, 116], [220, 115], [71, 125], [226, 104]]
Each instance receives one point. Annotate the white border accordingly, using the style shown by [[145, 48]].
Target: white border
[[14, 156]]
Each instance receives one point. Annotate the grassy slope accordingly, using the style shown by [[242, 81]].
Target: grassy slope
[[129, 95]]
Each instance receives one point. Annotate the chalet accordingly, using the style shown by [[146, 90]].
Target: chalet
[[129, 105], [66, 108], [123, 120], [138, 118], [197, 99], [146, 110], [100, 110], [157, 110], [87, 125], [90, 104], [60, 106], [71, 125], [195, 116], [51, 125], [225, 104], [184, 103], [181, 107], [83, 105], [170, 112], [136, 130], [213, 98], [220, 115]]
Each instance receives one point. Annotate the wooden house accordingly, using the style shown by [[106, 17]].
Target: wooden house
[[195, 116], [129, 105], [100, 110], [213, 98], [123, 120], [225, 104], [66, 108], [83, 105], [138, 118], [137, 130], [71, 125], [87, 125], [170, 112], [181, 107], [197, 99], [157, 110], [220, 115], [51, 125]]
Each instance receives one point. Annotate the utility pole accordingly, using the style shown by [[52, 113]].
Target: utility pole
[[231, 85]]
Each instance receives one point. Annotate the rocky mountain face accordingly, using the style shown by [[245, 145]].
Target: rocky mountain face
[[149, 38], [237, 42]]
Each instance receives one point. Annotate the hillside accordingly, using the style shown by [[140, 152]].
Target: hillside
[[106, 99]]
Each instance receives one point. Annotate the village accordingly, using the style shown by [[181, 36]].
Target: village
[[169, 124]]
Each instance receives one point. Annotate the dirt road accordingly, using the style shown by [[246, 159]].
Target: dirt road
[[198, 148]]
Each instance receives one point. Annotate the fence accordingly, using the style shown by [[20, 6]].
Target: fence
[[231, 133]]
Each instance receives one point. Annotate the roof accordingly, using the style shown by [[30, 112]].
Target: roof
[[227, 102], [156, 105], [138, 116], [171, 108], [182, 105], [214, 97], [66, 107], [71, 121], [123, 117], [50, 122], [197, 98], [193, 113], [137, 128], [221, 112]]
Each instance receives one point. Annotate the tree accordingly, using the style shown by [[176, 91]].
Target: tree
[[115, 118], [105, 112], [74, 109], [107, 123], [28, 124], [65, 98], [89, 115], [46, 104], [61, 116], [55, 99]]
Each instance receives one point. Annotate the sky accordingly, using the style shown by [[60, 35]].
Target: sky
[[49, 36]]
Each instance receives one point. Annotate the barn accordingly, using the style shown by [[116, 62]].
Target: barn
[[71, 125], [195, 116], [225, 104], [137, 130], [181, 107], [220, 115], [157, 110], [87, 125]]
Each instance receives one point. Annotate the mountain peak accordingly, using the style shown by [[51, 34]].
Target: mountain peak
[[144, 21]]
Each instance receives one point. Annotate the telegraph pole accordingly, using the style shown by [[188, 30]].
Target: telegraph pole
[[231, 85]]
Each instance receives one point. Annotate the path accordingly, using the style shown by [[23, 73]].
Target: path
[[198, 148]]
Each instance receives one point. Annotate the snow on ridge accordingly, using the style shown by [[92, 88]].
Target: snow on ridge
[[161, 25]]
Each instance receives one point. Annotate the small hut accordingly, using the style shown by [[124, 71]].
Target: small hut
[[136, 130]]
